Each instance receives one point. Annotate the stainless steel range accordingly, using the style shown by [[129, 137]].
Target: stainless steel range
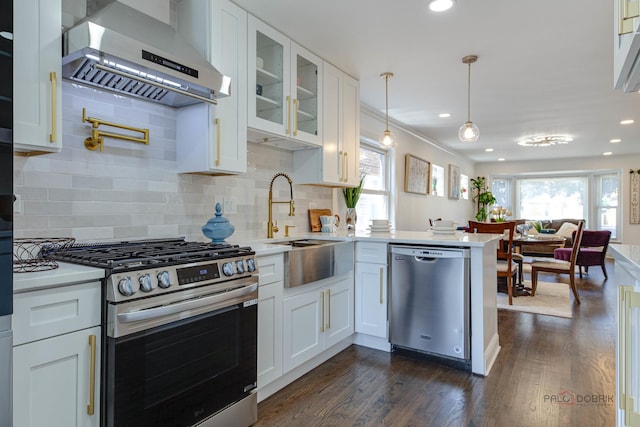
[[179, 332]]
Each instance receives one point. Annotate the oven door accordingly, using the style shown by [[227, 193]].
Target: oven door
[[184, 371]]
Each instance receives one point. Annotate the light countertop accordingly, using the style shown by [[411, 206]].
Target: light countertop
[[66, 274]]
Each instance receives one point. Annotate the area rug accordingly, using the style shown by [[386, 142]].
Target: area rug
[[552, 299]]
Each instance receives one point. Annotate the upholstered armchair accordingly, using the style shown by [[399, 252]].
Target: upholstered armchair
[[592, 251]]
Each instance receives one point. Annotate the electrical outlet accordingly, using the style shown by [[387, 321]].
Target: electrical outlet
[[17, 204], [230, 206], [313, 205]]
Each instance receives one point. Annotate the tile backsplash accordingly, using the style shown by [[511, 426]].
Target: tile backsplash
[[132, 191]]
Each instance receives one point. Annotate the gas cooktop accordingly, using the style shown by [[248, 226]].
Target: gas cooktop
[[128, 255]]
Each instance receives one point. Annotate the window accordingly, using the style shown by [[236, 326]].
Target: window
[[464, 186], [552, 197], [606, 202], [501, 189], [592, 196], [437, 180], [375, 199]]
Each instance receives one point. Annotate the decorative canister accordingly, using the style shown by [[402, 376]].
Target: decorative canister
[[218, 228]]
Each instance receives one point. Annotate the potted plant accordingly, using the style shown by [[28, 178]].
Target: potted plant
[[351, 196], [483, 197]]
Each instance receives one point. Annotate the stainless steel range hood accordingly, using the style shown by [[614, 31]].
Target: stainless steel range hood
[[121, 49]]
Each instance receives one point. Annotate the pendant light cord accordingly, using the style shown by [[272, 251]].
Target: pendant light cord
[[469, 93], [386, 84]]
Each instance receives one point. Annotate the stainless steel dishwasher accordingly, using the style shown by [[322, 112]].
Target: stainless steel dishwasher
[[429, 300]]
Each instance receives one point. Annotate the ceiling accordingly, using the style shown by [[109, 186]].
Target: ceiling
[[544, 67]]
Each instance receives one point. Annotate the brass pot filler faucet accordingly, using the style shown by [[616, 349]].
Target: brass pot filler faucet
[[271, 228]]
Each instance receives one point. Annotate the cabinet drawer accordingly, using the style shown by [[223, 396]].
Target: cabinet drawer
[[270, 269], [49, 312], [371, 252]]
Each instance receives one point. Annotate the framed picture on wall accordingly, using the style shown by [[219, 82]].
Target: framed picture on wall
[[416, 175], [454, 182]]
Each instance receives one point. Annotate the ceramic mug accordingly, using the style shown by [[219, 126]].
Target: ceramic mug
[[329, 223]]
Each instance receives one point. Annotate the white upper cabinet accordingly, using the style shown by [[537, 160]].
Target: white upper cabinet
[[37, 62], [285, 88], [338, 162], [213, 139], [626, 69]]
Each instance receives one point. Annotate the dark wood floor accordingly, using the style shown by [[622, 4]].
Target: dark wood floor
[[543, 360]]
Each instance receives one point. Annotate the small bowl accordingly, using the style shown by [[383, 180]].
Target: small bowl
[[380, 222], [442, 223]]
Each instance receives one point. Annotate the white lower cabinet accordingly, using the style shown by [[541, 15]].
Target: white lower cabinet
[[371, 299], [52, 381], [316, 320], [270, 294], [56, 357]]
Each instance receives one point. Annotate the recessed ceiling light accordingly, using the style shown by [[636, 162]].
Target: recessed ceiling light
[[440, 5], [626, 122], [545, 140], [501, 159], [607, 153], [488, 150], [615, 140], [444, 115]]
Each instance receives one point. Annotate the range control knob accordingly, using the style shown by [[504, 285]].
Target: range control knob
[[251, 265], [164, 281], [146, 284], [227, 269], [240, 266], [125, 287]]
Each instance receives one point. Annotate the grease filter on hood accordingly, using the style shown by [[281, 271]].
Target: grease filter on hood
[[121, 49]]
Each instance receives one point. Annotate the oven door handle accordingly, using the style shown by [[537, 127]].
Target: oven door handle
[[218, 301]]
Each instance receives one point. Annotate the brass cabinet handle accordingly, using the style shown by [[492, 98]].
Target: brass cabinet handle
[[346, 166], [295, 119], [329, 308], [92, 376], [288, 115], [322, 322], [54, 113], [381, 277], [218, 143]]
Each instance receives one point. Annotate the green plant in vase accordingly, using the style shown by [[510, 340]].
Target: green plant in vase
[[351, 196], [483, 197]]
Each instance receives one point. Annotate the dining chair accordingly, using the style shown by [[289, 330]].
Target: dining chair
[[593, 251], [559, 266], [507, 268]]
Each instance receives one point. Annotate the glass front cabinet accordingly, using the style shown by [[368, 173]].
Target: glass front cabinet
[[285, 88]]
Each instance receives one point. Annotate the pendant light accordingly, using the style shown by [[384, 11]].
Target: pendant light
[[387, 139], [469, 132], [440, 5]]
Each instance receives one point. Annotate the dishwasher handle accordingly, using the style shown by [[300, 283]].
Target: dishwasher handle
[[425, 254]]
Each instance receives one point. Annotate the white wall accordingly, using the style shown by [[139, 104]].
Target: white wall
[[133, 191], [630, 233], [412, 211]]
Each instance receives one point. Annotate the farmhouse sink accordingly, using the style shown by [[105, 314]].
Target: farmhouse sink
[[311, 260]]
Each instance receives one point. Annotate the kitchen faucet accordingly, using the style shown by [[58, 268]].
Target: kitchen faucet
[[274, 228]]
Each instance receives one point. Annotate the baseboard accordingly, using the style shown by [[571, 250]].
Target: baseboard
[[370, 341]]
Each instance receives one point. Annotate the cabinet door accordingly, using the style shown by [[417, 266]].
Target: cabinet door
[[213, 139], [269, 100], [52, 378], [269, 332], [229, 54], [339, 318], [351, 129], [306, 91], [37, 49], [303, 327], [332, 155], [371, 299]]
